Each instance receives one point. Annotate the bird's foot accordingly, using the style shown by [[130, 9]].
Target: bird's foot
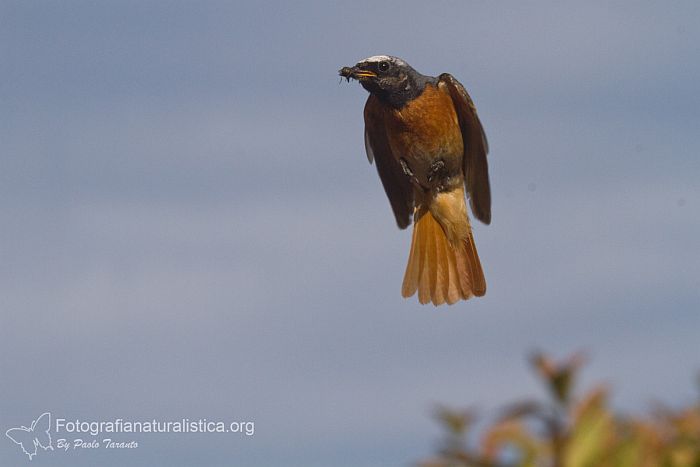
[[406, 169], [437, 168], [411, 176], [438, 175]]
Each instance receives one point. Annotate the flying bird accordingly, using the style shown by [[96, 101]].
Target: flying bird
[[430, 149]]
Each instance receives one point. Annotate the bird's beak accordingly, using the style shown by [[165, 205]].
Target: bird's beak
[[355, 73]]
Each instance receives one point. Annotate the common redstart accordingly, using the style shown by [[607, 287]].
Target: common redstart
[[430, 150]]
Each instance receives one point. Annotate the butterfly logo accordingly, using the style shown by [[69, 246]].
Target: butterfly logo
[[36, 435]]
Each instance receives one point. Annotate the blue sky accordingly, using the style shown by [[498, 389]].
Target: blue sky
[[191, 228]]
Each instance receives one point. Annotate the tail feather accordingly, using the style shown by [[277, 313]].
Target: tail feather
[[426, 283], [454, 290], [440, 271], [477, 273], [413, 268], [442, 280]]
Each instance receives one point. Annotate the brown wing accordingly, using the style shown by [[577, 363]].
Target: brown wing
[[475, 165], [396, 184]]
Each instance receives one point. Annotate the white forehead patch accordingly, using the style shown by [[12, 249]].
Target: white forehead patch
[[383, 58], [377, 58]]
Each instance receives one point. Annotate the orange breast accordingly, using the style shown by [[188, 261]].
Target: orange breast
[[426, 129]]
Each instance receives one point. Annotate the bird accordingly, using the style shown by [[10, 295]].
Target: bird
[[429, 147]]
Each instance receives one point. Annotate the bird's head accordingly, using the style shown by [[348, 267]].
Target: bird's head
[[389, 78]]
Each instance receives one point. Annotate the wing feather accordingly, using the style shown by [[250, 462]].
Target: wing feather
[[476, 147], [396, 185]]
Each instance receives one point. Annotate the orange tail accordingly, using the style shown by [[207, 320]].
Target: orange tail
[[441, 271]]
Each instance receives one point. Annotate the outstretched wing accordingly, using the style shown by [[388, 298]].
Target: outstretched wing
[[25, 438], [396, 184], [475, 165], [42, 431]]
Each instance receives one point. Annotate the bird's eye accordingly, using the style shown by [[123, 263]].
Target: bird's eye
[[384, 66]]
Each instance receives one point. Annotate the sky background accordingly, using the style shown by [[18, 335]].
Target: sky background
[[190, 228]]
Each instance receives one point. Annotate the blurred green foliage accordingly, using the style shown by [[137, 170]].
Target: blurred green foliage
[[569, 431]]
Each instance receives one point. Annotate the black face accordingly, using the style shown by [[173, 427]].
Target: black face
[[389, 78]]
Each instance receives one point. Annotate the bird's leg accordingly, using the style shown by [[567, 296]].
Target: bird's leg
[[411, 176], [437, 168], [406, 169], [438, 174]]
